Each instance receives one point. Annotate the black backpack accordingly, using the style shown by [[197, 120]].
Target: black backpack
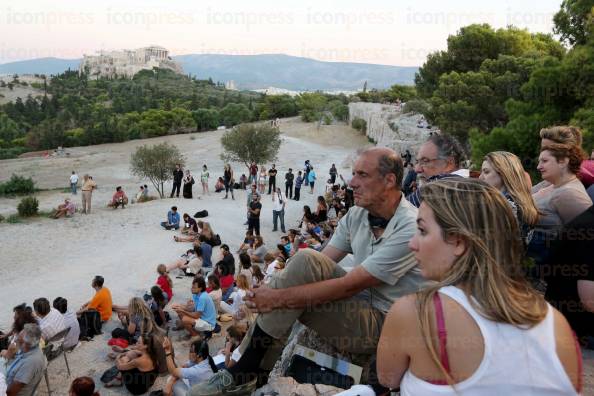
[[200, 214], [90, 324]]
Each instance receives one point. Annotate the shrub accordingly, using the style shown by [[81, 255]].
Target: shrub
[[17, 185], [327, 119], [416, 106], [359, 124], [29, 206], [13, 219], [2, 218]]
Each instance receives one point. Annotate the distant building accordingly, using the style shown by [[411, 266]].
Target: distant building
[[230, 85], [128, 62]]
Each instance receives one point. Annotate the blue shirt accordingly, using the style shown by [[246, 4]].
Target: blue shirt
[[206, 254], [298, 182], [173, 218], [311, 176], [197, 373], [415, 197], [203, 303]]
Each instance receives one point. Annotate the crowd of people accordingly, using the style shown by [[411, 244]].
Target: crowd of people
[[458, 285]]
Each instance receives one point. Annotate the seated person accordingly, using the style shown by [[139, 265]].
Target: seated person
[[190, 229], [233, 304], [198, 315], [206, 251], [258, 252], [22, 315], [83, 386], [214, 291], [164, 281], [219, 185], [138, 367], [119, 198], [286, 244], [26, 370], [100, 302], [172, 219], [140, 195], [183, 262], [226, 279], [66, 209], [157, 304], [132, 319], [199, 367], [257, 276], [231, 351], [50, 320], [243, 181], [245, 265], [248, 243]]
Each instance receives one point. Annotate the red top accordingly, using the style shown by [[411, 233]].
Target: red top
[[163, 283], [226, 281], [586, 174]]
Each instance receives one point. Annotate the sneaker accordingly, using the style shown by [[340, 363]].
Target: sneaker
[[221, 383]]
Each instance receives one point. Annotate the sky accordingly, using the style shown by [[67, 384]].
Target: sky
[[394, 32]]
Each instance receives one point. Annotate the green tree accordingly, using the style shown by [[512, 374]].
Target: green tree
[[574, 22], [247, 143], [311, 106], [233, 114], [156, 164], [206, 119]]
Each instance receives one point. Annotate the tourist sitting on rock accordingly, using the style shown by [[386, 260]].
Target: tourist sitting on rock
[[138, 367], [258, 251], [198, 315], [226, 278], [199, 367], [257, 276], [245, 265], [22, 315], [248, 243], [214, 291], [27, 363], [132, 317], [219, 185], [50, 320], [140, 195], [232, 305], [235, 335], [190, 225], [440, 157], [284, 240], [206, 251], [480, 308], [376, 232], [66, 209], [119, 198], [182, 262], [164, 281], [101, 301], [172, 222], [157, 303]]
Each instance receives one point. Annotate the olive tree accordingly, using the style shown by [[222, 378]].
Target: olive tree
[[156, 163], [247, 143]]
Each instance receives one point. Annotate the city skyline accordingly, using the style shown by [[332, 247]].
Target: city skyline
[[400, 34]]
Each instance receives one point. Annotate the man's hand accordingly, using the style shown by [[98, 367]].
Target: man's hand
[[263, 299]]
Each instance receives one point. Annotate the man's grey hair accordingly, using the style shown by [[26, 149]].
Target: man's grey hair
[[31, 334], [448, 147]]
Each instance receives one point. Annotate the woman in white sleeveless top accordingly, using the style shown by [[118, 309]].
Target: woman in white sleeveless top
[[480, 329]]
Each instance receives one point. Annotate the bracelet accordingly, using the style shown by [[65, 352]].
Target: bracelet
[[168, 354]]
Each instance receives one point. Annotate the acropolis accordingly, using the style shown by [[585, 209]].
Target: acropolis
[[127, 62]]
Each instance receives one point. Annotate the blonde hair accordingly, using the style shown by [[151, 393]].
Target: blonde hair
[[564, 134], [162, 270], [137, 307], [489, 270], [242, 282], [509, 167]]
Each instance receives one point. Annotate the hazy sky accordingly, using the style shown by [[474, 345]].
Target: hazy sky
[[375, 31]]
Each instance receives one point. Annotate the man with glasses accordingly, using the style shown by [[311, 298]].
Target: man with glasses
[[438, 158]]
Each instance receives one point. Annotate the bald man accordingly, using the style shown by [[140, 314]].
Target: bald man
[[346, 309]]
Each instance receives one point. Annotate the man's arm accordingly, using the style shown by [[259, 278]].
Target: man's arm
[[334, 254], [14, 388], [265, 299]]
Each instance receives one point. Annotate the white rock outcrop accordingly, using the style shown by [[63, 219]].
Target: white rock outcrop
[[387, 126]]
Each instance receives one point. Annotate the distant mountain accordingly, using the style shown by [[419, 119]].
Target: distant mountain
[[258, 71], [294, 73], [40, 66]]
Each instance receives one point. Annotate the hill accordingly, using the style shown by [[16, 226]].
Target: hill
[[258, 71]]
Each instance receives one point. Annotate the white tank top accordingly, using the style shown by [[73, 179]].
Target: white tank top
[[516, 362]]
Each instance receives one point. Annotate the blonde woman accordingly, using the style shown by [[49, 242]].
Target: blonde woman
[[132, 317], [504, 171], [480, 329], [262, 179], [236, 298]]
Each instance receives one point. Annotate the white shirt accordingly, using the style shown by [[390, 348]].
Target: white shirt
[[72, 337], [74, 178], [51, 324], [279, 202], [197, 373], [2, 384]]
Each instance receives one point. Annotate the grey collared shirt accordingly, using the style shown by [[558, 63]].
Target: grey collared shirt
[[388, 258], [27, 368]]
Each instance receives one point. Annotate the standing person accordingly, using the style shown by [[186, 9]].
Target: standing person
[[272, 179], [306, 168], [204, 175], [262, 179], [87, 193], [178, 175], [254, 219], [333, 173], [278, 210], [253, 173], [73, 182], [480, 328], [311, 179], [298, 182], [188, 183], [228, 180], [254, 194], [289, 177]]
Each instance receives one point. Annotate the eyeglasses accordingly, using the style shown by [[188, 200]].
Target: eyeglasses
[[425, 162]]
